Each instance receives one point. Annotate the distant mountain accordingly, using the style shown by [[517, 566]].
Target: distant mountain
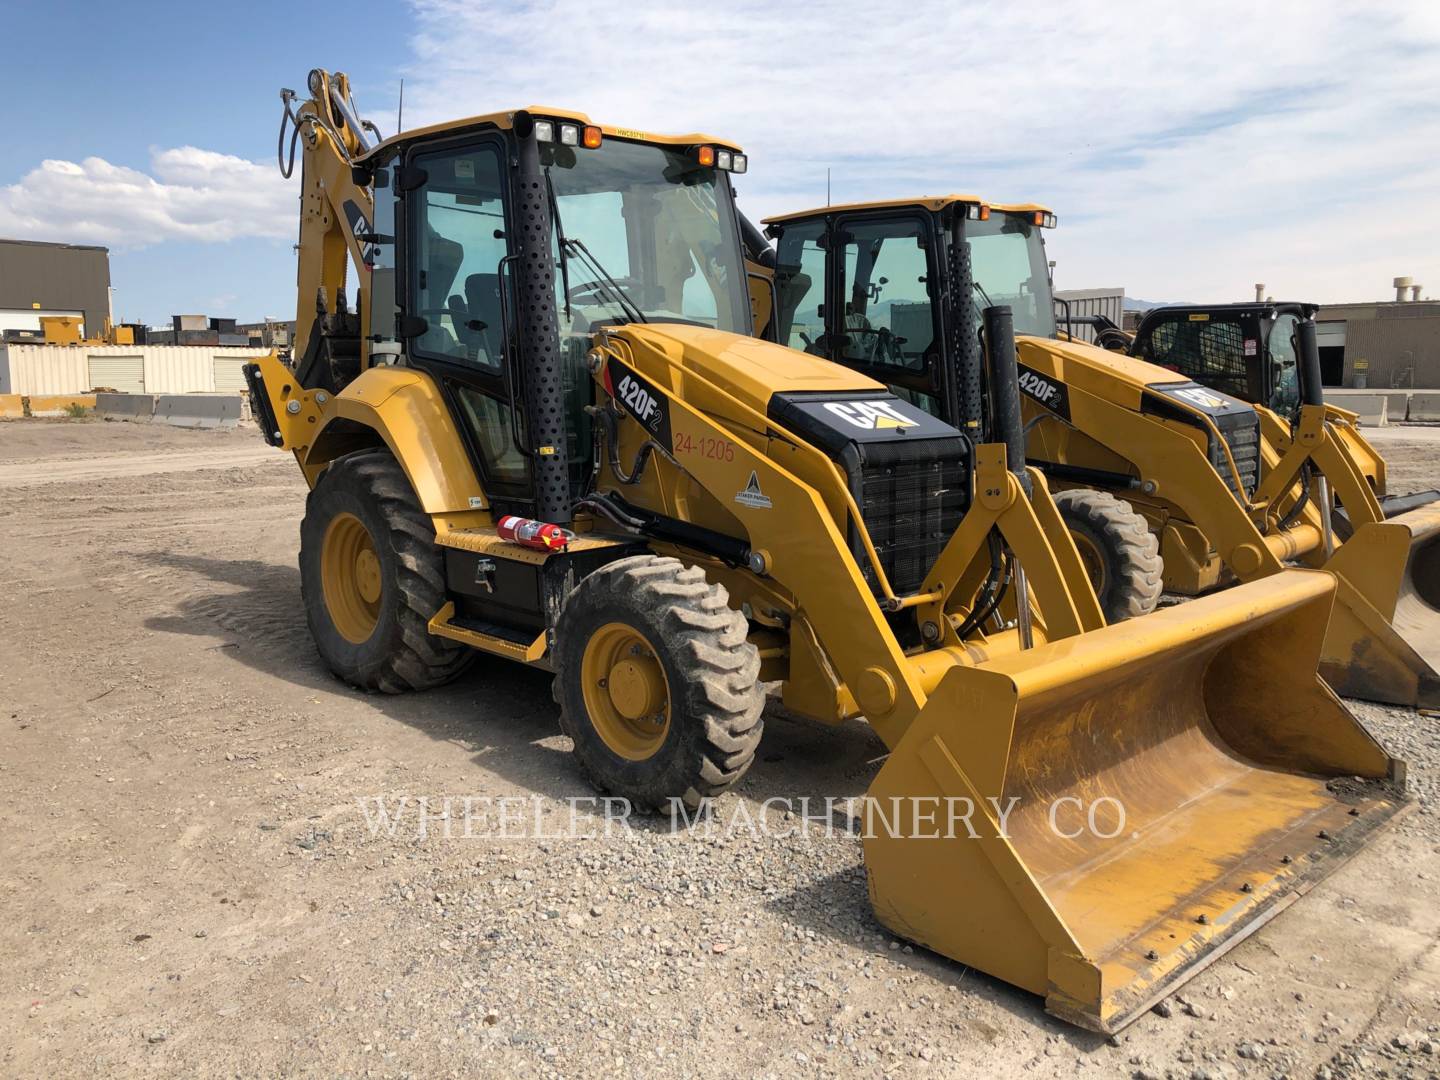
[[1131, 304]]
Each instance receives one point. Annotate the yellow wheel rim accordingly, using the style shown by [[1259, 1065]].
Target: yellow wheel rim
[[627, 696], [350, 576], [1093, 560]]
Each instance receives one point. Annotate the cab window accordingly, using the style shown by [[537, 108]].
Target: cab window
[[888, 320], [1284, 397], [457, 252], [800, 286]]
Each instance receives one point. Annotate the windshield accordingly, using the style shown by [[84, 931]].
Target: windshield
[[1008, 261], [652, 223]]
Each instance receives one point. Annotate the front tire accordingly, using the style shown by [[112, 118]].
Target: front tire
[[657, 683], [372, 577], [1120, 553]]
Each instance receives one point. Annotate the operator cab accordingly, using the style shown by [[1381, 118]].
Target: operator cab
[[639, 228], [1248, 351], [873, 306]]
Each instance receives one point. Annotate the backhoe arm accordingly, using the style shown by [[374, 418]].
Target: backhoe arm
[[336, 212]]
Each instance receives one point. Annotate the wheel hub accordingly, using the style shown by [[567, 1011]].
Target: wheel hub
[[626, 692], [351, 578], [367, 575], [1094, 562], [637, 687]]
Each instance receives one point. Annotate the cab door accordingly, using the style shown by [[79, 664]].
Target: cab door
[[885, 322], [455, 305]]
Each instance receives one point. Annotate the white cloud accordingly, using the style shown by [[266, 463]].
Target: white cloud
[[1190, 150], [189, 194]]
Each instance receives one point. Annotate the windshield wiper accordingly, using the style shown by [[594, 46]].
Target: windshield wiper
[[981, 289], [603, 277]]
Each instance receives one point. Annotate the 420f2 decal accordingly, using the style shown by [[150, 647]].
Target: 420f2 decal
[[1045, 391], [641, 400]]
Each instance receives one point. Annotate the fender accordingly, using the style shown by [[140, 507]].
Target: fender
[[399, 408]]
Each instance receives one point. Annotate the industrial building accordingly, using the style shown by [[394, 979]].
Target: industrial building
[[1393, 344], [39, 279], [133, 369]]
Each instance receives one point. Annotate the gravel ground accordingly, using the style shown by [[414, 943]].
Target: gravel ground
[[191, 886]]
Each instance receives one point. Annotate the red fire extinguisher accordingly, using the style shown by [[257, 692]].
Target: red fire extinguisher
[[532, 533]]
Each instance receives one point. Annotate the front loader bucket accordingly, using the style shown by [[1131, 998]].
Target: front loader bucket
[[1145, 796], [1384, 637]]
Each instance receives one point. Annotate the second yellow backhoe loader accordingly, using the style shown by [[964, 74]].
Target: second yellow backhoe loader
[[1159, 475], [552, 324]]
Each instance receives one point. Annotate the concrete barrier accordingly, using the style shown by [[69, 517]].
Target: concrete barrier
[[58, 404], [1425, 405], [1397, 402], [198, 410], [1373, 409], [12, 405], [136, 408]]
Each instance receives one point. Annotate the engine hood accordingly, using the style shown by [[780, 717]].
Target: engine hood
[[1105, 374], [747, 369]]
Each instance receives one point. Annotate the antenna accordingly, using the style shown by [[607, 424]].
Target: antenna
[[400, 109], [827, 186]]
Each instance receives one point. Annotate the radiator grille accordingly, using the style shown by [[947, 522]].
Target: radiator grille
[[1242, 433], [910, 509]]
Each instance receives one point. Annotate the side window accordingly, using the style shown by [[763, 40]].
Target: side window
[[455, 284], [800, 287], [1284, 396], [888, 318]]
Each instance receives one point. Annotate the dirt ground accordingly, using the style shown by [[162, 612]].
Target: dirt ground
[[189, 885]]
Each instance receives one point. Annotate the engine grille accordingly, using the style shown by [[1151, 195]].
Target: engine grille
[[1242, 433], [911, 505]]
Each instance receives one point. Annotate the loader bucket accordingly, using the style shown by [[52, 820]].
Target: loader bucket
[[1384, 637], [1167, 786]]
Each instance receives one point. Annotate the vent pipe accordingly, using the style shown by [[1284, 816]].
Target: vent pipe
[[1402, 284]]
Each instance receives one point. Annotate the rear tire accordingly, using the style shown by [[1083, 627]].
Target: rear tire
[[372, 577], [1121, 554], [657, 683]]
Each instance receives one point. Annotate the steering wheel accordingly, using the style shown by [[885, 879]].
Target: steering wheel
[[883, 346], [600, 290]]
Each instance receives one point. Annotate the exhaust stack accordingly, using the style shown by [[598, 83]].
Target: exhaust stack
[[1259, 292], [1401, 285]]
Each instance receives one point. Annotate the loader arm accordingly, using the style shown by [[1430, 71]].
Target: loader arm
[[796, 535]]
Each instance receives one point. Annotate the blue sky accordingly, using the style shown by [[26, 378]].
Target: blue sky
[[1190, 151]]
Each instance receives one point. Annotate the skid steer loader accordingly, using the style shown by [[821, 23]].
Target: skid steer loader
[[552, 322], [1251, 351], [1158, 475]]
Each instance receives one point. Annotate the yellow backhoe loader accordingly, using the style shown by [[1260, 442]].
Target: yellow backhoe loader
[[552, 323], [1157, 473]]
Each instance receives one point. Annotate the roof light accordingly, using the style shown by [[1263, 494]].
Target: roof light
[[1044, 219], [739, 163], [592, 137], [569, 135], [723, 159], [705, 155], [544, 131], [977, 212]]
